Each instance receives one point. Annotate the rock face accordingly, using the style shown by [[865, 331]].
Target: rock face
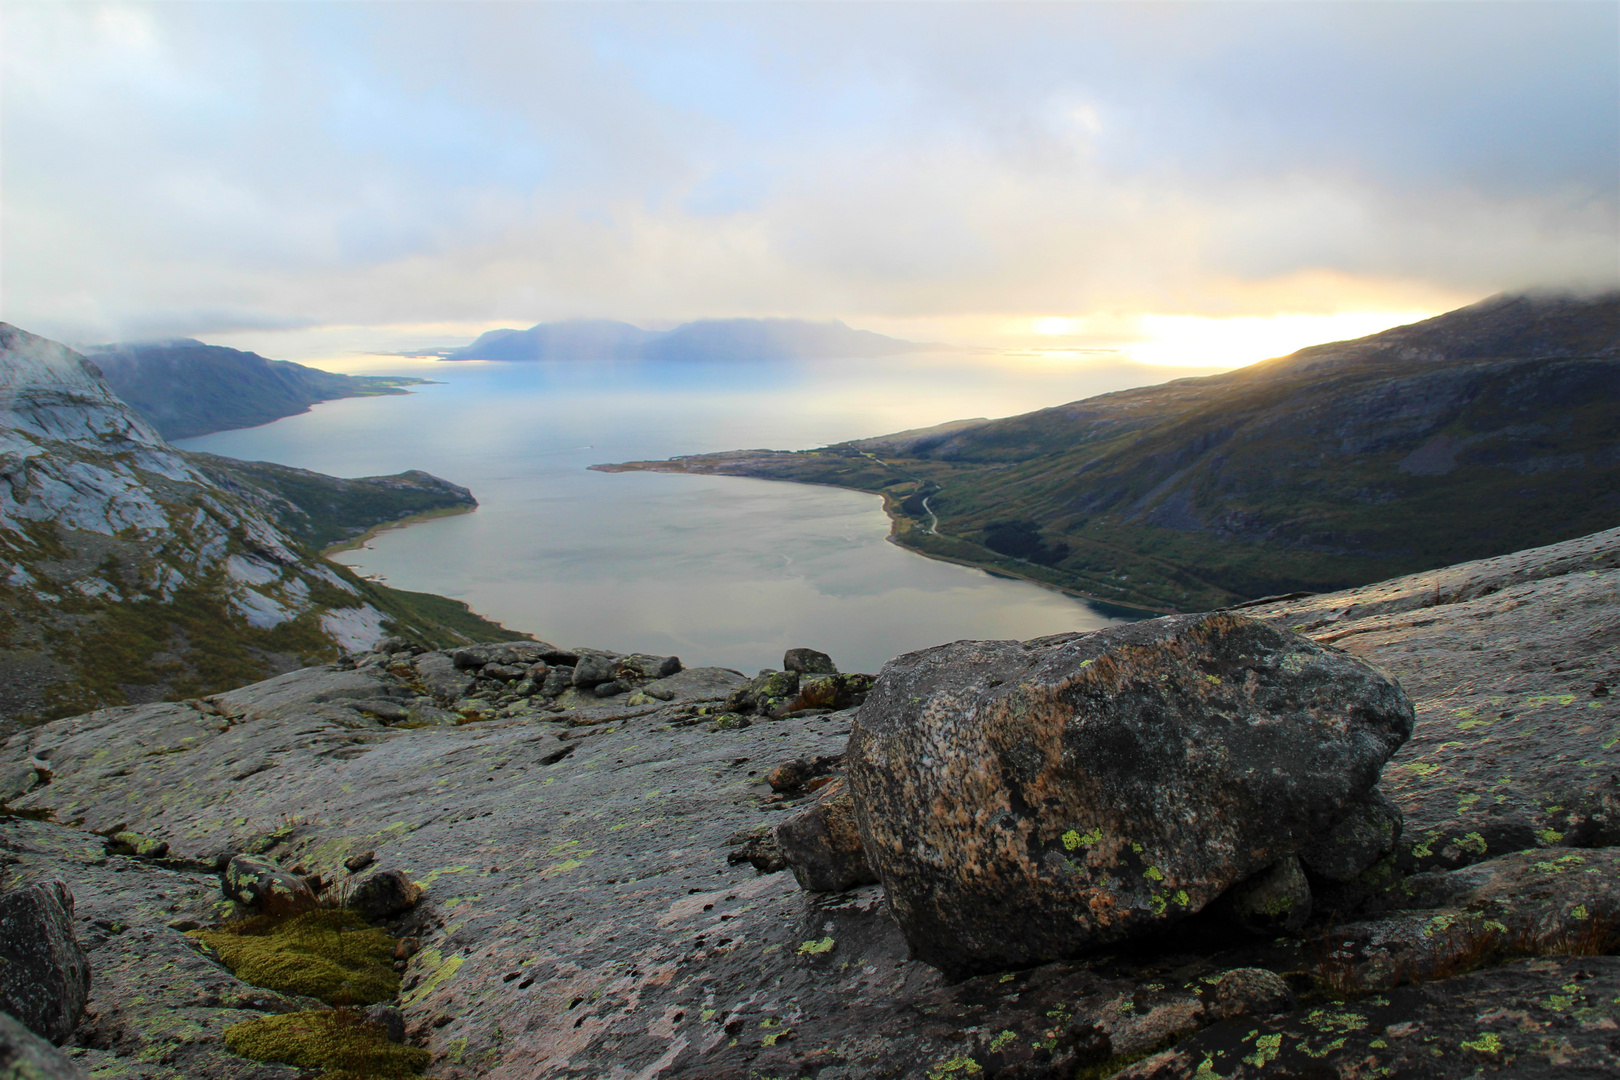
[[44, 974], [26, 1056], [1022, 802]]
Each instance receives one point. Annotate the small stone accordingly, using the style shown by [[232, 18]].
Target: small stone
[[264, 885], [504, 672], [758, 848], [1276, 900], [385, 894], [1251, 992], [808, 662], [609, 688], [823, 845], [390, 1019], [183, 925], [407, 947]]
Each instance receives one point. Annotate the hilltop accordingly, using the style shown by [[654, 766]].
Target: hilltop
[[1488, 429]]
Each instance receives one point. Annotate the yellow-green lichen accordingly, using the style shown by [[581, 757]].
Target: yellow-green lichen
[[339, 1041], [810, 948]]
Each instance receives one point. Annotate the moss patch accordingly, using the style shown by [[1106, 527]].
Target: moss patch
[[339, 1041], [331, 955]]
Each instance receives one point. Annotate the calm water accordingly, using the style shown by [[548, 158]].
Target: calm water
[[717, 570]]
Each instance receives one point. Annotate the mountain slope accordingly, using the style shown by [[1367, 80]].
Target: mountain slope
[[132, 573], [706, 339], [1489, 429], [185, 388]]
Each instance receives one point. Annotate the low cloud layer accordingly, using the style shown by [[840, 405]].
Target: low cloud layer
[[184, 169]]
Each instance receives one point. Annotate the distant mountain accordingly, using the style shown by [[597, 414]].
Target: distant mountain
[[131, 571], [184, 388], [1486, 430], [707, 339]]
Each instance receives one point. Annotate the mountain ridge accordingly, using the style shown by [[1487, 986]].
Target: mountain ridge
[[702, 339], [186, 388]]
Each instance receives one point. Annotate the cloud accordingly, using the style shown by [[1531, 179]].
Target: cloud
[[192, 169]]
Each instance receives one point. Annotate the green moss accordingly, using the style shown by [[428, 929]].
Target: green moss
[[331, 955], [339, 1041]]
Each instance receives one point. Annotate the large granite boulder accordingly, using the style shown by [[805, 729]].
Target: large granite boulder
[[44, 974], [26, 1056], [1022, 802]]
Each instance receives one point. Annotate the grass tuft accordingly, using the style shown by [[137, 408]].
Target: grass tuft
[[340, 1041], [332, 955]]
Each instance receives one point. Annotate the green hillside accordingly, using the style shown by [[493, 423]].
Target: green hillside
[[1484, 431]]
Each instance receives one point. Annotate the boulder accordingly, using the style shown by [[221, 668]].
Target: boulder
[[1277, 900], [609, 688], [1251, 992], [594, 668], [385, 894], [822, 844], [504, 672], [757, 847], [389, 1019], [259, 884], [26, 1056], [44, 974], [766, 692], [808, 662], [1366, 834], [440, 676], [641, 667], [830, 692], [557, 681], [1022, 802]]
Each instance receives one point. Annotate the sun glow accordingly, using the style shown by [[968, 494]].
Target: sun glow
[[1194, 340]]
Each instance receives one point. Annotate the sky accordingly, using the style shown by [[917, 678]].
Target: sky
[[1204, 183]]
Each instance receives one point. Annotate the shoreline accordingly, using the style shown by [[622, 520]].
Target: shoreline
[[357, 542], [894, 537]]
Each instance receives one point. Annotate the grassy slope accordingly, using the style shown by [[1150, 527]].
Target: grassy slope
[[1281, 477]]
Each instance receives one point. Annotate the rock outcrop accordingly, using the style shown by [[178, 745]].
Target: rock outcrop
[[44, 974], [26, 1056], [1023, 802]]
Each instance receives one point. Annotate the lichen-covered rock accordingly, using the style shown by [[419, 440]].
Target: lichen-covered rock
[[831, 692], [1251, 992], [640, 667], [1366, 834], [822, 844], [44, 974], [259, 884], [1552, 1018], [808, 662], [1277, 900], [765, 693], [594, 668], [384, 894], [26, 1056], [1021, 802]]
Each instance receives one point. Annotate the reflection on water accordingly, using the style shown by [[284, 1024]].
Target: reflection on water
[[717, 570]]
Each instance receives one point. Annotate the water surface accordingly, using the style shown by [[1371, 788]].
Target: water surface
[[718, 570]]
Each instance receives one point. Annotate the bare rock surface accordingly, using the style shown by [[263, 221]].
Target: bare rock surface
[[1513, 665], [1022, 802], [581, 919]]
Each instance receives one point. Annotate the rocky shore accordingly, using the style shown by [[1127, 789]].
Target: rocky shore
[[616, 855]]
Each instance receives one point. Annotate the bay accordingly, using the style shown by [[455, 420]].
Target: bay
[[717, 570]]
